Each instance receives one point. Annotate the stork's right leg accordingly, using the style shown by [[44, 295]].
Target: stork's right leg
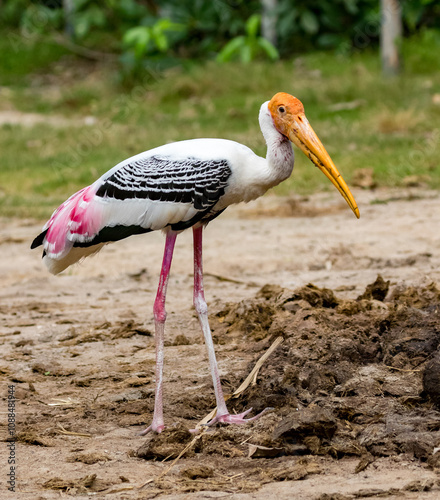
[[222, 414], [159, 319]]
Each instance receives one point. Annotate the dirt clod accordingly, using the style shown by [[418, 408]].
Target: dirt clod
[[377, 290], [198, 472], [290, 473], [166, 445], [181, 340], [89, 458], [308, 421], [419, 486], [33, 438], [78, 485], [431, 379]]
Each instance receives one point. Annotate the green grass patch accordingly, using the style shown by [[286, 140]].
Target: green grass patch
[[391, 126], [22, 56]]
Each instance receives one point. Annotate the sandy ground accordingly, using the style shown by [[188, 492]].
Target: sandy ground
[[79, 350]]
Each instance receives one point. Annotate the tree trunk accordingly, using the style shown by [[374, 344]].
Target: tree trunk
[[69, 29], [390, 36], [269, 21]]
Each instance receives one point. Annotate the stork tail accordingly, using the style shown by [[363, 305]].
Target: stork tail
[[39, 240], [77, 219]]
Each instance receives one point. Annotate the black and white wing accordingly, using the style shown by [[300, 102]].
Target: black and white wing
[[158, 191], [170, 187]]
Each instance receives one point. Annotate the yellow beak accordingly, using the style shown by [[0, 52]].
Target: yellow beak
[[303, 136]]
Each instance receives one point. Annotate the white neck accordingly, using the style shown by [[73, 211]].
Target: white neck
[[279, 157]]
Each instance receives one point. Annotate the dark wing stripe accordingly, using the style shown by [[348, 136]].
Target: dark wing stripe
[[119, 232], [110, 234], [156, 178]]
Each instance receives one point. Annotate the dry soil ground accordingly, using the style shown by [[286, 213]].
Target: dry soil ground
[[351, 417]]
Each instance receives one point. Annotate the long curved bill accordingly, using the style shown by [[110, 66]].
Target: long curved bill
[[302, 135]]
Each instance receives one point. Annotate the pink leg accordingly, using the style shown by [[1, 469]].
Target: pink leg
[[202, 312], [159, 319]]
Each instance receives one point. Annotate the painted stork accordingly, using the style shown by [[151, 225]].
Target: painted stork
[[177, 186]]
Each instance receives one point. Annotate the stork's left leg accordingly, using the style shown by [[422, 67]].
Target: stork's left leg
[[159, 320], [202, 312]]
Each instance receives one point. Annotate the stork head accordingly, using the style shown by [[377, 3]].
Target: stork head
[[289, 119]]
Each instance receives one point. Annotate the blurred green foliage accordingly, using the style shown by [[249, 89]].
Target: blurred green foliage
[[206, 27], [144, 45], [247, 47]]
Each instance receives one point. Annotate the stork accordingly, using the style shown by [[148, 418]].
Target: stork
[[177, 186]]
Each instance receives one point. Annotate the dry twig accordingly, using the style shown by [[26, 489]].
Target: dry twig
[[69, 433], [251, 379]]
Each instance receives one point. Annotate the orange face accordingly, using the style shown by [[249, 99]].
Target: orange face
[[289, 119], [284, 108]]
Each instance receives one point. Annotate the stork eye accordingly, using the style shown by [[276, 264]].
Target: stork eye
[[282, 109]]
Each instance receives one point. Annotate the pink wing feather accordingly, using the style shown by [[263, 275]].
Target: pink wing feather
[[77, 219]]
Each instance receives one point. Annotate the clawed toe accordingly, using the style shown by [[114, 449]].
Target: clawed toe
[[227, 418], [157, 429]]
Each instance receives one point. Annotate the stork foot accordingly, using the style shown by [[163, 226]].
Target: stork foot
[[227, 418], [156, 428]]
